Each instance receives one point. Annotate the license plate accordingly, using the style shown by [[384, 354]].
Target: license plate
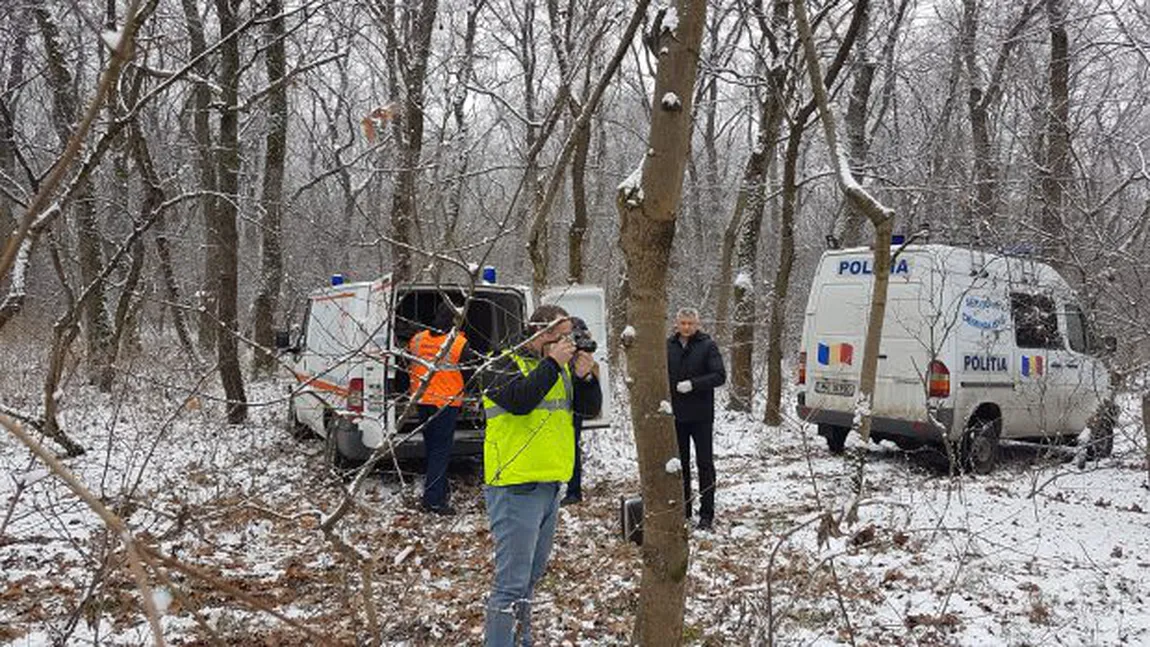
[[835, 387]]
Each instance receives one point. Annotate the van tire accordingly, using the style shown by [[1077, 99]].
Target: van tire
[[334, 426], [978, 449], [297, 429], [836, 437], [1102, 431]]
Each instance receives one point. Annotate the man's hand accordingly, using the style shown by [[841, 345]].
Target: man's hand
[[561, 351], [684, 387], [584, 365]]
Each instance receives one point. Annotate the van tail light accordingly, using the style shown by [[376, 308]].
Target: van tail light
[[937, 380], [802, 368], [355, 394]]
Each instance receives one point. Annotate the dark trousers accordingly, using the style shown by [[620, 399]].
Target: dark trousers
[[575, 485], [702, 432], [438, 437]]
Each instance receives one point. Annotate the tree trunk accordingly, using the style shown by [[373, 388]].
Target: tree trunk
[[647, 207], [773, 415], [577, 233], [15, 79], [65, 111], [1057, 174], [271, 266], [202, 134], [851, 232], [223, 217]]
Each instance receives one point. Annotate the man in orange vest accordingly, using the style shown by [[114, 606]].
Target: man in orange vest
[[437, 355]]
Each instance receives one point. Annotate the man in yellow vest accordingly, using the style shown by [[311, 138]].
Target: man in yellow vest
[[437, 385], [531, 394]]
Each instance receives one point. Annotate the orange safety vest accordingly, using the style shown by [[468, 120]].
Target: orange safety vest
[[446, 384]]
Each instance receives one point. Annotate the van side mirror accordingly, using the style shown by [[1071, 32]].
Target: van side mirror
[[283, 340]]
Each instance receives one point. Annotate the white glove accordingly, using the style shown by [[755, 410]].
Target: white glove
[[684, 387]]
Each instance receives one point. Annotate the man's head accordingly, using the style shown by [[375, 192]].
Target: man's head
[[444, 316], [686, 322], [547, 325]]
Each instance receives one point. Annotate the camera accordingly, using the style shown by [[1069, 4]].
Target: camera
[[581, 336]]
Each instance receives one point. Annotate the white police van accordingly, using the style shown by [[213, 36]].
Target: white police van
[[975, 347], [349, 358]]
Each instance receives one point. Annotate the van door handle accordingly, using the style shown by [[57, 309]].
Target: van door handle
[[1071, 366], [1055, 365]]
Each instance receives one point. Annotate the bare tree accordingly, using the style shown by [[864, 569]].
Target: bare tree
[[224, 211], [648, 203], [271, 265]]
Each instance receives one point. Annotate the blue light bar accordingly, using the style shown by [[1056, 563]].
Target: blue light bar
[[337, 279]]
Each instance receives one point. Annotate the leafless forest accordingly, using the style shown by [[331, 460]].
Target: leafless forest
[[176, 176]]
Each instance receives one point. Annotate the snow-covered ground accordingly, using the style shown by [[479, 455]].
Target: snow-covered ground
[[1039, 552]]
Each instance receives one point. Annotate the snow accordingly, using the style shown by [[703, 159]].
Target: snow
[[112, 38], [673, 465], [671, 20], [628, 333], [1037, 552], [162, 598], [665, 407], [743, 281], [670, 101], [632, 188]]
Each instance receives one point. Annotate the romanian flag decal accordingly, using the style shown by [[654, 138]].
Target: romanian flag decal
[[1032, 365], [834, 354]]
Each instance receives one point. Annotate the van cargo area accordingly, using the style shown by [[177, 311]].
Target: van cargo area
[[495, 318]]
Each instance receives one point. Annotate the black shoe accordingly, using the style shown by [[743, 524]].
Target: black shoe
[[441, 510], [705, 523], [571, 499]]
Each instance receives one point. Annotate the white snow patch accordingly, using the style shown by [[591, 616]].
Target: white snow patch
[[671, 20], [673, 465], [632, 187], [743, 282], [31, 476], [665, 407], [162, 598], [112, 38], [670, 101], [628, 333]]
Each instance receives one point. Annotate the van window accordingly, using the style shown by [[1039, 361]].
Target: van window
[[1076, 329], [1035, 321]]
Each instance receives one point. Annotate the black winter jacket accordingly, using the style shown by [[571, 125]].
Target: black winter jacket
[[701, 363]]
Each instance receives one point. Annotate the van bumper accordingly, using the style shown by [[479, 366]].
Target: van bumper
[[918, 430]]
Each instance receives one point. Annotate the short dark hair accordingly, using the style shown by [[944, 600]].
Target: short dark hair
[[444, 316], [544, 315]]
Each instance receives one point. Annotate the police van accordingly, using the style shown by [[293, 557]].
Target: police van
[[976, 347], [349, 358]]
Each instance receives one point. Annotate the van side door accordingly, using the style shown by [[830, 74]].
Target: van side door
[[1040, 359], [1086, 375]]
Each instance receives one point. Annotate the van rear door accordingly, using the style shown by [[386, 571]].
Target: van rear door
[[837, 334], [589, 303]]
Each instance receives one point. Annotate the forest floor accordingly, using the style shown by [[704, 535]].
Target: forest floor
[[1040, 552]]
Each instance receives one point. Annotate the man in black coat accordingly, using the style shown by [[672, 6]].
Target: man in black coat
[[695, 369]]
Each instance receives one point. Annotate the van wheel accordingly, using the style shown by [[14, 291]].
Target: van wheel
[[1102, 431], [297, 429], [334, 426], [978, 449], [836, 437]]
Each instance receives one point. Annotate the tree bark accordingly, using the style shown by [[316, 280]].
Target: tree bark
[[223, 217], [65, 111], [648, 205], [205, 165], [1057, 175], [271, 265]]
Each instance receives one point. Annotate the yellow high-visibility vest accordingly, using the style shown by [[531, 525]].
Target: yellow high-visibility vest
[[535, 448]]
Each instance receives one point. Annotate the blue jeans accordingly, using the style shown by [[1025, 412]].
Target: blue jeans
[[438, 437], [522, 519], [575, 485]]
